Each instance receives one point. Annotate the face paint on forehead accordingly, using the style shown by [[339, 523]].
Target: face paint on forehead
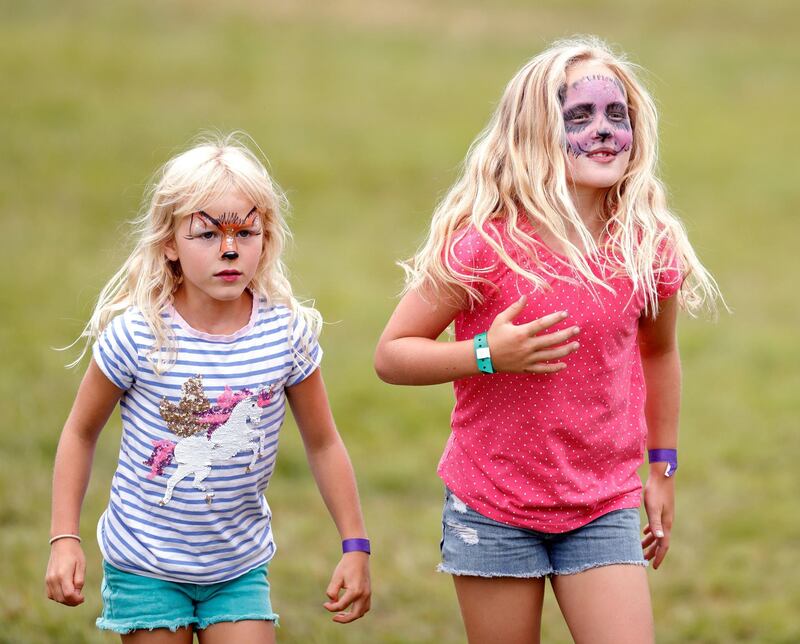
[[596, 115], [228, 223]]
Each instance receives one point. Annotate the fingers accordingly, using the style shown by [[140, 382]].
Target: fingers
[[557, 337], [64, 581], [655, 548], [554, 354], [359, 609], [54, 589], [62, 590], [80, 572], [343, 602], [512, 311], [357, 599], [332, 591], [537, 326]]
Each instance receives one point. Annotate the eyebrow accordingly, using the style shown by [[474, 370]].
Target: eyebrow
[[226, 217], [580, 107]]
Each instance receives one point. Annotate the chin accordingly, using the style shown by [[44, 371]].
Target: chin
[[599, 178], [585, 173], [227, 295]]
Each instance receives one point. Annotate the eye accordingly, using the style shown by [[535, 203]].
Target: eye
[[577, 116], [617, 114], [209, 234]]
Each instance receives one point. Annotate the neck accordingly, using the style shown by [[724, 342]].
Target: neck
[[209, 315], [588, 203]]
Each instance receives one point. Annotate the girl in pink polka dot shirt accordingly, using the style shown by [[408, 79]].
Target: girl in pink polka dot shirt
[[562, 269]]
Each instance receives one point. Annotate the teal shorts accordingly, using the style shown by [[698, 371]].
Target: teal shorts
[[132, 602]]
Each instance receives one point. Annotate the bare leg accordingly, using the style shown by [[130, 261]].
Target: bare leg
[[159, 636], [252, 631], [607, 605], [502, 610]]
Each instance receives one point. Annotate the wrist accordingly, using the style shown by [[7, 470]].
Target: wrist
[[65, 536], [664, 461], [483, 356], [357, 544]]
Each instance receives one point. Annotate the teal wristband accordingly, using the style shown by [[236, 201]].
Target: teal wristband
[[482, 354]]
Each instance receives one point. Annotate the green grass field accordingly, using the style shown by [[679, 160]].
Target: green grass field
[[365, 111]]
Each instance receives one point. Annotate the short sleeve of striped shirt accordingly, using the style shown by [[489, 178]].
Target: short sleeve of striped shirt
[[115, 351], [306, 351]]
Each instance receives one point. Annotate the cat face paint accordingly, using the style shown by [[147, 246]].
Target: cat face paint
[[229, 228], [596, 117]]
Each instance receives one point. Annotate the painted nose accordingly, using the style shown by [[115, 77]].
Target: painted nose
[[603, 134], [230, 254]]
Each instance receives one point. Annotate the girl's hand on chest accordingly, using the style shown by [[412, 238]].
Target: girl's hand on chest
[[527, 348]]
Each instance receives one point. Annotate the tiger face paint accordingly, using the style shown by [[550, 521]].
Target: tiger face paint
[[596, 117]]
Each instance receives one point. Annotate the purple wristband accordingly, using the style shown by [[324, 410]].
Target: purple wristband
[[355, 545], [669, 456]]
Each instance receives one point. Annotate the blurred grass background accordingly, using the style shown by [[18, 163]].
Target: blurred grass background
[[365, 110]]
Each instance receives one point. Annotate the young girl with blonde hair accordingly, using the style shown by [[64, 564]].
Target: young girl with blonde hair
[[562, 267], [201, 341]]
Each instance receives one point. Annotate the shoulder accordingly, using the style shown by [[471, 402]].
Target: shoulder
[[474, 247], [277, 318], [669, 267], [130, 324]]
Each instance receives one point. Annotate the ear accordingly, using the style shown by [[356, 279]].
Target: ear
[[171, 250]]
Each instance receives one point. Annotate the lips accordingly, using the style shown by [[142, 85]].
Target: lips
[[228, 275], [602, 152]]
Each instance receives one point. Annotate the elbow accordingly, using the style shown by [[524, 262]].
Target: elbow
[[383, 366]]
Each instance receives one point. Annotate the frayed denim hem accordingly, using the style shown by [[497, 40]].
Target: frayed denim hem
[[476, 573], [123, 628], [238, 618], [579, 569]]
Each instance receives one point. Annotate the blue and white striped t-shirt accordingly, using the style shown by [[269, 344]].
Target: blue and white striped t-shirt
[[198, 443]]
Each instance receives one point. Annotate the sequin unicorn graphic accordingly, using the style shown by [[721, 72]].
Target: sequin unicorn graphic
[[208, 435]]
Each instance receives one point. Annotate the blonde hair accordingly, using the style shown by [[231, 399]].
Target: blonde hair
[[213, 167], [517, 167]]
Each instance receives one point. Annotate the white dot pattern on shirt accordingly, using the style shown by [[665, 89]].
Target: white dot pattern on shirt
[[550, 452]]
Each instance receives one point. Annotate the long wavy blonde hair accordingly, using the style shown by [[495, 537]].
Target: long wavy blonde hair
[[517, 167], [213, 167]]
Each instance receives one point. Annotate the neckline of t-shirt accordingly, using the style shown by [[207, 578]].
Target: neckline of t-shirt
[[218, 337], [526, 223]]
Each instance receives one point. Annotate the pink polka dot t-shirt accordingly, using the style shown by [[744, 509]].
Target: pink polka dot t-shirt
[[551, 452]]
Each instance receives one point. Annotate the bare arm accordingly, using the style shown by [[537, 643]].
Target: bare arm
[[97, 396], [408, 353], [658, 346], [333, 472]]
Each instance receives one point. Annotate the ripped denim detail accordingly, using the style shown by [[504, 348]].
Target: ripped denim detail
[[458, 505], [465, 533], [489, 575], [579, 569], [274, 618]]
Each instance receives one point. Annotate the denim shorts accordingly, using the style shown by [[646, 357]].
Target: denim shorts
[[132, 602], [475, 545]]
